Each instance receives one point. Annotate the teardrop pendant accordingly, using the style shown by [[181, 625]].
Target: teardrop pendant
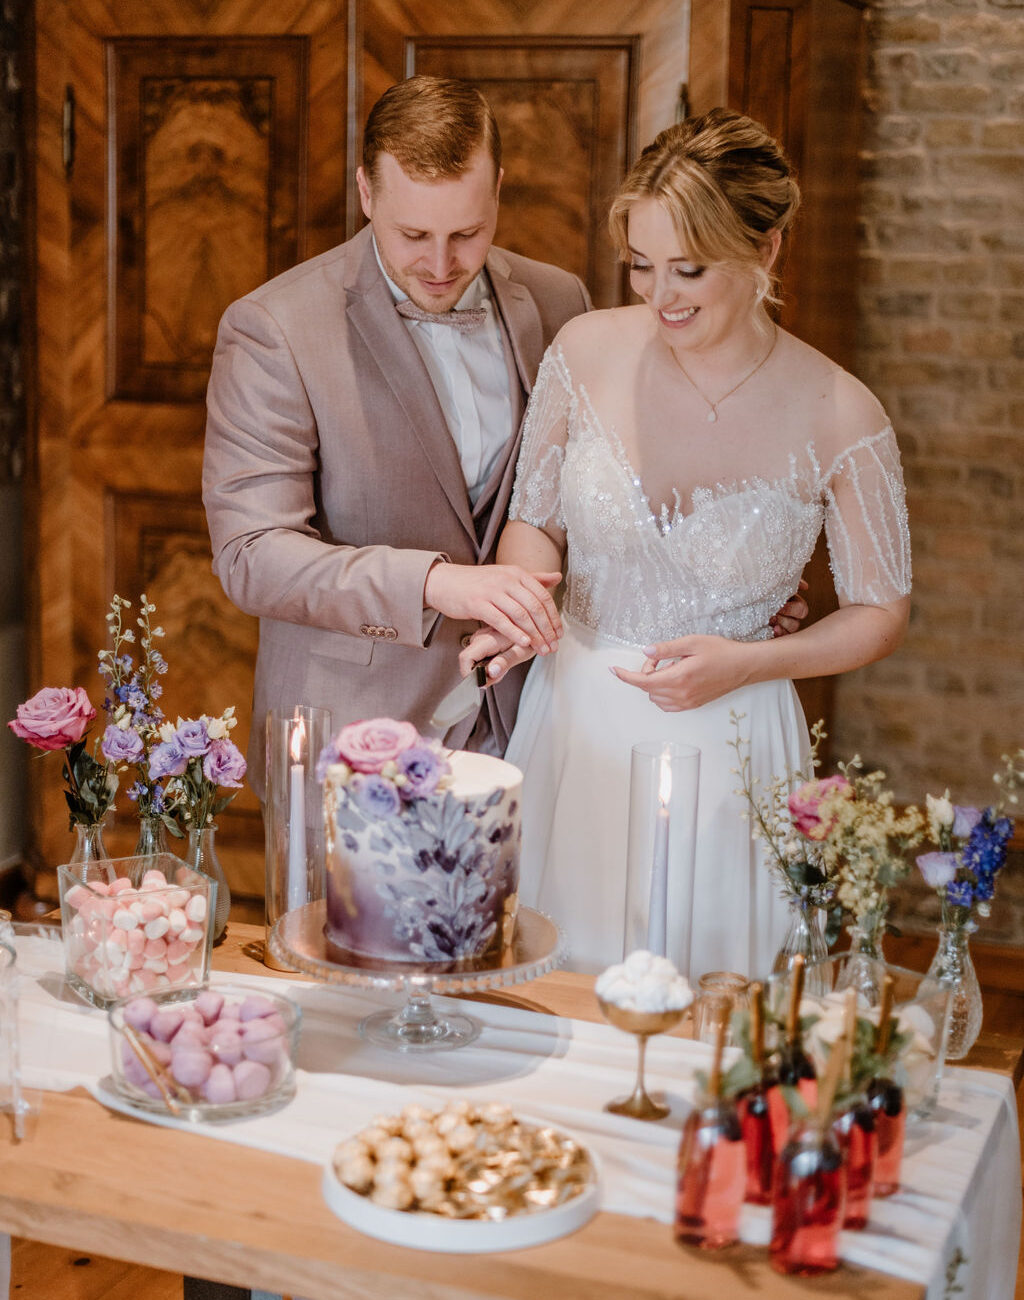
[[712, 416]]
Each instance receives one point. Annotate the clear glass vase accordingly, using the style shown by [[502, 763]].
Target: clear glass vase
[[805, 936], [202, 856], [152, 836], [865, 964], [89, 846], [953, 968]]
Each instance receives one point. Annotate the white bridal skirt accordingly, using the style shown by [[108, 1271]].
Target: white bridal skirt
[[573, 739]]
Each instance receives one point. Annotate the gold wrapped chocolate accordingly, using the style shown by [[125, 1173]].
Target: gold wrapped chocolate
[[463, 1162]]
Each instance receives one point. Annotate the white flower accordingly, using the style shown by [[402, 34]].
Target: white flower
[[167, 730], [940, 815], [217, 729]]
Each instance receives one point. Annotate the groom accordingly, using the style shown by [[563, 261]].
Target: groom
[[363, 417]]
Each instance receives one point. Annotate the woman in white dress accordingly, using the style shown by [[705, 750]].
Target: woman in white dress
[[679, 460]]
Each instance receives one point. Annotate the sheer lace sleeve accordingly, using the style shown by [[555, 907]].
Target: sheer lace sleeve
[[537, 496], [866, 522]]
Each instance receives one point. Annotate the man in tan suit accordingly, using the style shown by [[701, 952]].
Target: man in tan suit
[[359, 461]]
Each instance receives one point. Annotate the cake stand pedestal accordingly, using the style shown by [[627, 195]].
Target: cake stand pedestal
[[300, 939]]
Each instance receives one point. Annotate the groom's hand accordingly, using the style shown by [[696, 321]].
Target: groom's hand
[[511, 600], [792, 614]]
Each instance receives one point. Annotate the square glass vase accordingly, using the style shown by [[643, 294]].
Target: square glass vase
[[920, 1004], [135, 926]]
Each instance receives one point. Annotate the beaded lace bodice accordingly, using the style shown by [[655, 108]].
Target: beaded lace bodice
[[730, 558]]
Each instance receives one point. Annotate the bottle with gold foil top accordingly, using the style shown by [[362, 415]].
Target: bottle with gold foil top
[[762, 1110], [809, 1193], [854, 1129], [886, 1100], [712, 1165]]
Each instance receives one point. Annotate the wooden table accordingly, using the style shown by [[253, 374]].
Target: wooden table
[[96, 1181]]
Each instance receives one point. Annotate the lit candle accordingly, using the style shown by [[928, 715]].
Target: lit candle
[[656, 912], [297, 821]]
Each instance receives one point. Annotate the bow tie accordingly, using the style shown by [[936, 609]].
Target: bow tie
[[469, 318]]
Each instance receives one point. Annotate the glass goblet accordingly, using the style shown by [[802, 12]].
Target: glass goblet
[[642, 1024]]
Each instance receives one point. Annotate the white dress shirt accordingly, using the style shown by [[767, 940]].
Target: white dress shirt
[[470, 378]]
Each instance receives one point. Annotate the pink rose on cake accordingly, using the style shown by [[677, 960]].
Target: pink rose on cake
[[382, 752]]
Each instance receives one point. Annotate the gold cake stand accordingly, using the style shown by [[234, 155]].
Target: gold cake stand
[[300, 939]]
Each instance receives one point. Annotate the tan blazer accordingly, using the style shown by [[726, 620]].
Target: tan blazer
[[331, 485]]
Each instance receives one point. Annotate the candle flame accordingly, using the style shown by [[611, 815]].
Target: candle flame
[[298, 741], [665, 780]]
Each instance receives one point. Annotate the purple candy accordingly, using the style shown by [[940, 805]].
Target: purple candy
[[209, 1004], [191, 1066], [220, 1085], [251, 1080], [139, 1012], [166, 1022], [254, 1007], [261, 1042], [225, 1043]]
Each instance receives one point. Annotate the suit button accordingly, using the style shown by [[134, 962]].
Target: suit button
[[365, 630], [390, 634]]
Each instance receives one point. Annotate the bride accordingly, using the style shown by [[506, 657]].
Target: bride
[[679, 460]]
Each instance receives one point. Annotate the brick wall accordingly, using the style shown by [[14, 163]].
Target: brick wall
[[941, 341]]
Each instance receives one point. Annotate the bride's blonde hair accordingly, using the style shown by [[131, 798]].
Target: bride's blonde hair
[[727, 185]]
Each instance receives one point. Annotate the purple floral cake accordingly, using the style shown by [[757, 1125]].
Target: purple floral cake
[[422, 846]]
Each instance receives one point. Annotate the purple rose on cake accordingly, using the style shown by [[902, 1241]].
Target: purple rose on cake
[[376, 796], [422, 768]]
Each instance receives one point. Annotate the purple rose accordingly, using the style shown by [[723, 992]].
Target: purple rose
[[938, 869], [377, 797], [54, 718], [328, 756], [192, 737], [367, 746], [422, 769], [224, 764], [965, 820], [168, 759], [122, 746]]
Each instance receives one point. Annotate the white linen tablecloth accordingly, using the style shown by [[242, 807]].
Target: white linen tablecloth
[[954, 1223]]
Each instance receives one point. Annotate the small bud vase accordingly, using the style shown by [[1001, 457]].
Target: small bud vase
[[152, 836], [202, 856], [89, 846], [865, 963], [954, 970], [805, 936]]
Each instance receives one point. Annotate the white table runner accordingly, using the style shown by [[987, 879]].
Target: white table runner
[[955, 1221]]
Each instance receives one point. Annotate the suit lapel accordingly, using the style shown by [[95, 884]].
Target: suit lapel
[[371, 311], [521, 317]]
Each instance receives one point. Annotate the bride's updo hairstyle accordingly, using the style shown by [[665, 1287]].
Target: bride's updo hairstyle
[[726, 184]]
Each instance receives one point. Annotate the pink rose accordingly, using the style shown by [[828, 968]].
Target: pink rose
[[54, 717], [805, 803], [367, 746]]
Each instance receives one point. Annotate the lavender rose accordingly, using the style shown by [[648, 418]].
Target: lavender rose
[[192, 737], [122, 745], [54, 718], [422, 769], [367, 746], [168, 759], [224, 764], [377, 797], [805, 804], [965, 820], [938, 869]]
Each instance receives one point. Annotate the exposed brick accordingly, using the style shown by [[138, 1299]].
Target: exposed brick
[[932, 97], [932, 237], [946, 132], [898, 132], [928, 407], [902, 166], [904, 30], [903, 303], [980, 168], [962, 64], [934, 340], [987, 344], [1011, 307], [965, 270], [1003, 135], [980, 408], [972, 304]]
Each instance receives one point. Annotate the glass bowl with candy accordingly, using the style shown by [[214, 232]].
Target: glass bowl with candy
[[217, 1053], [134, 926]]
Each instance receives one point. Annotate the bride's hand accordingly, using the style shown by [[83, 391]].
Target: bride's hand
[[690, 671], [499, 651]]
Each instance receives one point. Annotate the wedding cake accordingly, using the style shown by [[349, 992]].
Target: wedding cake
[[422, 846]]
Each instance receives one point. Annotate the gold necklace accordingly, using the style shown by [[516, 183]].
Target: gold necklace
[[713, 406]]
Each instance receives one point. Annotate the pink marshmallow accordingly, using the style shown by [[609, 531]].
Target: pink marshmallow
[[261, 1042], [139, 1012], [191, 935], [155, 948], [154, 879], [119, 886], [208, 1003], [230, 1011], [195, 908], [177, 951], [251, 1080], [177, 899], [100, 886], [77, 895], [125, 920], [254, 1007], [136, 940], [156, 964], [166, 1022], [157, 927], [226, 1046], [176, 920], [191, 1066], [220, 1085]]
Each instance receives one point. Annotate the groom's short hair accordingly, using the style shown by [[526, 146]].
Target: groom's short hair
[[432, 127]]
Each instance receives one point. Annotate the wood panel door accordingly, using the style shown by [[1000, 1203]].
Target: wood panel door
[[795, 65], [175, 169], [575, 85]]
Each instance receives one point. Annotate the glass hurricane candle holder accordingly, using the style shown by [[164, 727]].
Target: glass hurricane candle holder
[[711, 1177], [808, 1202]]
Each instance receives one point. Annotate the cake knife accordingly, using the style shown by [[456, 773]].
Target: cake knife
[[466, 698]]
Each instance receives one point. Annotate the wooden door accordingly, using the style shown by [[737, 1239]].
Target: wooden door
[[575, 86], [175, 169]]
